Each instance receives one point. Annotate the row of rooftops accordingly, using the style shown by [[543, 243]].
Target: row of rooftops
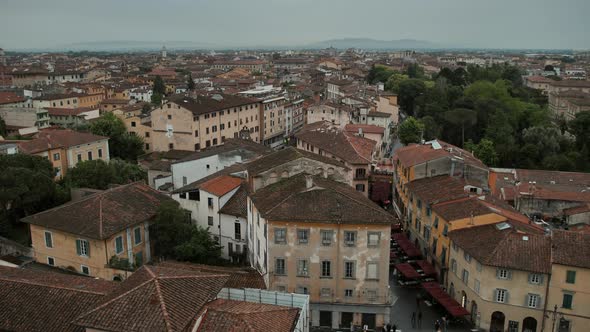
[[170, 296]]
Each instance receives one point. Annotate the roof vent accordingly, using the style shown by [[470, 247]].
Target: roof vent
[[552, 181], [525, 238], [308, 182], [503, 225]]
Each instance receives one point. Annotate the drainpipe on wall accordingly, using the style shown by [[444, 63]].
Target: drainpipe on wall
[[546, 302]]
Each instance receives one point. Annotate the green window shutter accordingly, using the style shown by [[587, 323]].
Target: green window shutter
[[78, 248], [87, 248]]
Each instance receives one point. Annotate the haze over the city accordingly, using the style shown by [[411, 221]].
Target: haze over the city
[[229, 23]]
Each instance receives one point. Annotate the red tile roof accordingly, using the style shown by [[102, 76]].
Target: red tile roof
[[239, 277], [33, 300], [155, 298], [54, 111], [221, 185], [52, 139], [238, 316], [571, 248], [369, 129], [103, 214], [415, 154], [10, 97], [506, 248]]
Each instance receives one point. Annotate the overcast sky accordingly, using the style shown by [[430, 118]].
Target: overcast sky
[[466, 23]]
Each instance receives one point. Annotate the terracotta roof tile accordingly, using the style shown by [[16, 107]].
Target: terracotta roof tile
[[415, 154], [104, 214], [32, 300], [239, 277], [571, 248], [58, 138], [221, 185], [238, 316], [237, 204], [327, 201], [10, 97], [155, 298], [507, 248]]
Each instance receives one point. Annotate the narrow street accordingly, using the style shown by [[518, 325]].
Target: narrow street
[[404, 304]]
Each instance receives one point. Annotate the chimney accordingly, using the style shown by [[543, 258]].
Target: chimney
[[308, 181], [360, 132]]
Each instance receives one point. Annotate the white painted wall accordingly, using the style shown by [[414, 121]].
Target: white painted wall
[[195, 170]]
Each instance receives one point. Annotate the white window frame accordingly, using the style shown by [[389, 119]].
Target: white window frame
[[135, 243], [52, 258], [303, 272], [45, 239], [534, 300], [122, 245], [503, 274], [369, 242], [535, 279], [500, 294], [84, 253], [82, 269], [369, 277]]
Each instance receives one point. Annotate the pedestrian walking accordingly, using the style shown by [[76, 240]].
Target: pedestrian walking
[[394, 328], [436, 325], [419, 319], [445, 323], [388, 327], [413, 319]]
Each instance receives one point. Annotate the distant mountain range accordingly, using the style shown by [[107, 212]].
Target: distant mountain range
[[374, 44]]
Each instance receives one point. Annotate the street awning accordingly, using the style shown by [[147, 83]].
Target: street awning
[[406, 245], [407, 271], [426, 267], [451, 306]]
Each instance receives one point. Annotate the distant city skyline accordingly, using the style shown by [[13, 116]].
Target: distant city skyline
[[523, 24]]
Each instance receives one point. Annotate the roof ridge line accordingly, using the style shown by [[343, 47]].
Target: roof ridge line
[[163, 305], [114, 298], [51, 286]]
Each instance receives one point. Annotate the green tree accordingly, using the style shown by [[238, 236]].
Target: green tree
[[484, 151], [2, 128], [159, 90], [409, 90], [174, 236], [27, 186], [121, 143], [432, 129], [393, 82], [98, 174], [580, 127], [190, 83], [410, 131], [461, 117], [414, 70]]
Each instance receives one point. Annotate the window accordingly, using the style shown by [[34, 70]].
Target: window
[[445, 230], [196, 133], [82, 248], [568, 299], [118, 245], [237, 231], [51, 261], [535, 278], [79, 157], [503, 274], [302, 290], [454, 265], [171, 146], [194, 195], [147, 134], [371, 294], [133, 124], [210, 221], [348, 293], [467, 257], [280, 235], [373, 239], [501, 295], [419, 204], [478, 266], [215, 141], [48, 239], [372, 270], [56, 156], [360, 187], [533, 300], [326, 236], [100, 150], [465, 276], [137, 235], [326, 269], [302, 236], [280, 266], [349, 270], [85, 269], [428, 211], [476, 286], [435, 224], [570, 277], [210, 202], [350, 238], [302, 268], [513, 326], [169, 117]]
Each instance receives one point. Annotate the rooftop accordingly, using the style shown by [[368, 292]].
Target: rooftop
[[58, 138]]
